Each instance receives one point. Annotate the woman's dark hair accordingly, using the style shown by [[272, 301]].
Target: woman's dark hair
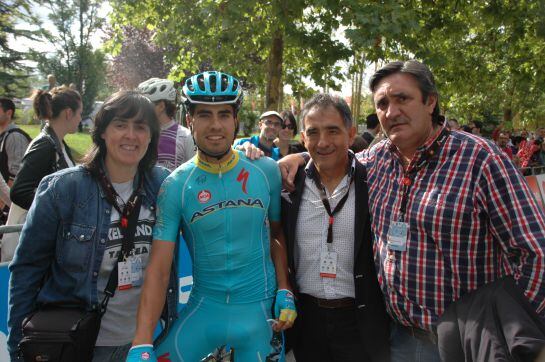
[[125, 105], [49, 104], [170, 108], [287, 114]]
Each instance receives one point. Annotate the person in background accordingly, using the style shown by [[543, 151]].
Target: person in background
[[503, 144], [476, 127], [453, 124], [176, 145], [270, 124], [73, 234], [466, 128], [359, 144], [47, 153], [13, 144], [285, 142], [540, 156], [527, 148], [373, 127]]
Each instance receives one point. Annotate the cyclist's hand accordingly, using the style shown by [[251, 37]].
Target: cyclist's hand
[[141, 353], [288, 168], [284, 310], [251, 151]]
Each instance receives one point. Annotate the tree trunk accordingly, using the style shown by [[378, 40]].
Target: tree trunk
[[507, 114], [274, 76], [79, 76]]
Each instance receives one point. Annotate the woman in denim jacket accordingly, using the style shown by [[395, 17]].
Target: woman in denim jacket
[[71, 239]]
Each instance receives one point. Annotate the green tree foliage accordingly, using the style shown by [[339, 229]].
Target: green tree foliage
[[265, 43], [74, 60], [487, 56], [13, 73]]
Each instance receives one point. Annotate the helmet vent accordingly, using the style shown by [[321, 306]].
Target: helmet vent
[[213, 83], [224, 82], [200, 82]]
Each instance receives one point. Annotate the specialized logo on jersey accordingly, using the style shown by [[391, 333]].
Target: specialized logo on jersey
[[165, 357], [243, 178], [204, 196], [227, 204]]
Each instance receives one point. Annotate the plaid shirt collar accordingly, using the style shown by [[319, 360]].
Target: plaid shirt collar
[[421, 152]]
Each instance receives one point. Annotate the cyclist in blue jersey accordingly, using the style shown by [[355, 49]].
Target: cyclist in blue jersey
[[228, 210]]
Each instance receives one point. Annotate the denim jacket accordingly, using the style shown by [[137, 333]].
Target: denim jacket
[[64, 238]]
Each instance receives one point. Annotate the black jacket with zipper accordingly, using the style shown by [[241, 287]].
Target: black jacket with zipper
[[43, 157]]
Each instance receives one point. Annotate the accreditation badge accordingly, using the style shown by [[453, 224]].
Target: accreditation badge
[[397, 235], [124, 275], [328, 264]]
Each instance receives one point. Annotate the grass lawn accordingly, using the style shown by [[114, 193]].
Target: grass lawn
[[79, 143]]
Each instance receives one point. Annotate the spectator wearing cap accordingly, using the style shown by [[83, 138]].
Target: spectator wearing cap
[[270, 124]]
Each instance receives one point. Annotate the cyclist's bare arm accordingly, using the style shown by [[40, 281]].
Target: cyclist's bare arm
[[154, 291]]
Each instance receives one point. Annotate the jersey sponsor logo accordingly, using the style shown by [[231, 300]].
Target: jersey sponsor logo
[[243, 178], [227, 204], [204, 196], [201, 179]]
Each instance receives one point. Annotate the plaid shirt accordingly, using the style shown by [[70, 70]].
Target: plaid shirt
[[471, 217]]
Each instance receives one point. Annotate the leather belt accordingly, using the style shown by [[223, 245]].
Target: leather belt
[[421, 334], [328, 303]]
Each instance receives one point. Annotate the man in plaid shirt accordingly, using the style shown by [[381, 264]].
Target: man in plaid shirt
[[450, 212]]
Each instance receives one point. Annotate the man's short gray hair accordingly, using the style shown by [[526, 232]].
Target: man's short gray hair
[[322, 100]]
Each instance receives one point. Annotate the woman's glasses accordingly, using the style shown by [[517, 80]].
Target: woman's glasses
[[288, 126]]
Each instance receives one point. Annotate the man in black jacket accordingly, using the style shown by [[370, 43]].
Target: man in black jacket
[[341, 313]]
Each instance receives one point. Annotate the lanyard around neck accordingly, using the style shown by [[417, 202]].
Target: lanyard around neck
[[327, 206], [126, 210], [408, 178]]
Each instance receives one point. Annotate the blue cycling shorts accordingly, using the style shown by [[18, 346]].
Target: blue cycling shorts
[[205, 324]]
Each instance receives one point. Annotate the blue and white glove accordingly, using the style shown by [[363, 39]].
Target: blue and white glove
[[141, 353], [284, 306]]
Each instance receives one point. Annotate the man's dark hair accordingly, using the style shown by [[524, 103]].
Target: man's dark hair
[[371, 121], [478, 124], [322, 100], [7, 105], [420, 72]]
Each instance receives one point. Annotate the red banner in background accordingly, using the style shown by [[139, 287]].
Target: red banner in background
[[537, 186]]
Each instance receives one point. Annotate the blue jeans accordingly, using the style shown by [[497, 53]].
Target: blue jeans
[[111, 353], [406, 348]]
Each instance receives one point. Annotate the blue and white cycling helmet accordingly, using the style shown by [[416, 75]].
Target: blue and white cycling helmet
[[213, 87]]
